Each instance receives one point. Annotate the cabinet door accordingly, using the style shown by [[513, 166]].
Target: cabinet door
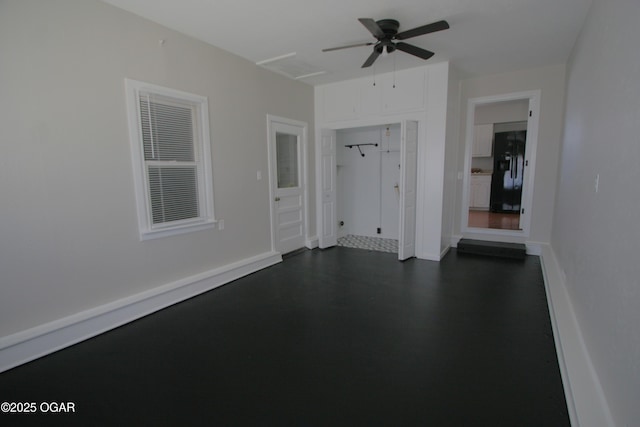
[[473, 190], [341, 102], [408, 93], [482, 140], [483, 192], [480, 191], [370, 98]]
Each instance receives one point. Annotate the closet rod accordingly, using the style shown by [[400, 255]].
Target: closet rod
[[360, 145]]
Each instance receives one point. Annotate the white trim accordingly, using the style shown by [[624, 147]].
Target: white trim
[[421, 148], [311, 242], [276, 58], [444, 251], [430, 256], [534, 248], [530, 154], [305, 76], [178, 229], [30, 344], [586, 401], [206, 218]]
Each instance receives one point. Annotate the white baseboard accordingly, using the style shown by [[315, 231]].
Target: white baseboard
[[534, 248], [585, 399], [30, 344], [311, 242], [429, 256], [444, 252]]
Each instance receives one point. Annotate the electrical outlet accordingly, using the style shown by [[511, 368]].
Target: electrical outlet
[[259, 175], [221, 224]]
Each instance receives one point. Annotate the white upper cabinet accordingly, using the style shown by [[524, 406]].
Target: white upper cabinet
[[482, 140], [361, 99], [341, 101], [370, 98], [408, 93]]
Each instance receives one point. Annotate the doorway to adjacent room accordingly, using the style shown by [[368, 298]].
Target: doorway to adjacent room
[[499, 163]]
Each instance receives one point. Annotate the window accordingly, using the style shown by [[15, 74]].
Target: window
[[287, 160], [169, 132]]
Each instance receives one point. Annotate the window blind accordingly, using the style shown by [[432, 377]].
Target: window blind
[[171, 163]]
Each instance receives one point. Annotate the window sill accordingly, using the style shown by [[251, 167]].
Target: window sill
[[181, 229]]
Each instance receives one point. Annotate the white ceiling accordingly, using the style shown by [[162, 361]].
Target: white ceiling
[[486, 36]]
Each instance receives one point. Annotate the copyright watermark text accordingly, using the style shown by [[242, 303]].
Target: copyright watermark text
[[37, 407]]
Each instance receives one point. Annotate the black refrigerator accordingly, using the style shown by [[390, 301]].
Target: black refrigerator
[[508, 171]]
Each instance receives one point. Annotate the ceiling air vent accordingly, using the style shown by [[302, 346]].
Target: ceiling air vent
[[288, 65]]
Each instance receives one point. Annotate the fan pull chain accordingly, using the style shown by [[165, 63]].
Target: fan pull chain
[[394, 69], [374, 74]]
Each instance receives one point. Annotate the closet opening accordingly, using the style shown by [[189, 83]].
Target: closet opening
[[368, 182]]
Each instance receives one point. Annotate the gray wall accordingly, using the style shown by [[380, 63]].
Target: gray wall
[[596, 234], [68, 230]]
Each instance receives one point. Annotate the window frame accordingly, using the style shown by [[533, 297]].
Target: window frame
[[202, 151]]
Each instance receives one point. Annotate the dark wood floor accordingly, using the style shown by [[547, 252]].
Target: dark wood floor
[[326, 338]]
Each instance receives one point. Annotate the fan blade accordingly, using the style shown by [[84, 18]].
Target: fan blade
[[371, 59], [373, 27], [348, 46], [425, 29], [414, 50]]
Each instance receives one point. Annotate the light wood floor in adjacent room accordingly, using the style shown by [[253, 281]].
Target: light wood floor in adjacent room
[[500, 221]]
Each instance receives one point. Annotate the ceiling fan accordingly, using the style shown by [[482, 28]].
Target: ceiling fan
[[386, 31]]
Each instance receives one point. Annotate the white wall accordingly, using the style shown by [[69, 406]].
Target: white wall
[[366, 195], [596, 234], [452, 147], [431, 166], [550, 80], [68, 230]]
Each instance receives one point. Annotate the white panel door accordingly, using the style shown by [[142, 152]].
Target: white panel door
[[408, 178], [287, 186], [327, 213]]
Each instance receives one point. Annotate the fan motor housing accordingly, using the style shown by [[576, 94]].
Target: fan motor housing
[[389, 27]]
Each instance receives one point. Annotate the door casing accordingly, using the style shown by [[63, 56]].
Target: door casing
[[326, 211], [530, 155], [281, 124]]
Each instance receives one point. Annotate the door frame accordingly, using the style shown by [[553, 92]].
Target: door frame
[[408, 191], [526, 203], [272, 123], [334, 127]]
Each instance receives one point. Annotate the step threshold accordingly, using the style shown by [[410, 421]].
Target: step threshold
[[488, 248]]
